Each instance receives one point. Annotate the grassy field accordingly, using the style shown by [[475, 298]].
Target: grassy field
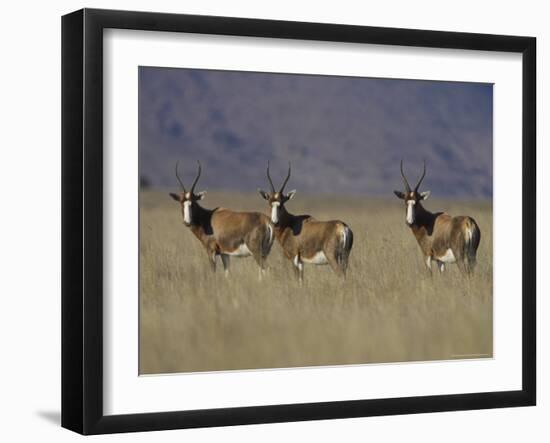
[[389, 309]]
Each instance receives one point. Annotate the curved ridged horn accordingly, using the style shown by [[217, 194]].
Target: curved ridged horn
[[196, 178], [286, 179], [421, 178], [269, 178], [405, 182], [179, 179]]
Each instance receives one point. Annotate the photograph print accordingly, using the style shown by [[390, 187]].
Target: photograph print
[[291, 220]]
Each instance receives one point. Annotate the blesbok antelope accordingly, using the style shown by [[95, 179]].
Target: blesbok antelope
[[224, 232], [304, 239], [441, 237]]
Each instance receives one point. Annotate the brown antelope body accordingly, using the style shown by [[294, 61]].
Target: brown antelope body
[[224, 232], [305, 239], [441, 237]]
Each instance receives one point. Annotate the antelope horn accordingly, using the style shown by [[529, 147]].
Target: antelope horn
[[407, 186], [196, 178], [421, 178], [269, 178], [286, 179], [178, 177]]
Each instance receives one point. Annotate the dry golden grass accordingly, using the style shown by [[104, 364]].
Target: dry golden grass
[[389, 309]]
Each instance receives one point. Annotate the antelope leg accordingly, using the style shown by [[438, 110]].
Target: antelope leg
[[428, 263], [225, 262]]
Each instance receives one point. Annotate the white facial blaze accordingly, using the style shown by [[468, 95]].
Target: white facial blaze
[[187, 212], [275, 212], [410, 211]]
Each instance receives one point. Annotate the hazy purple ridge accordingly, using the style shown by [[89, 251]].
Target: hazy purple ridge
[[342, 134]]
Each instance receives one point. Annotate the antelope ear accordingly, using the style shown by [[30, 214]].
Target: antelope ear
[[264, 194], [291, 194], [399, 194], [200, 195], [175, 196], [425, 195]]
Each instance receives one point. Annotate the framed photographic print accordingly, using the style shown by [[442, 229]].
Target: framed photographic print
[[269, 221]]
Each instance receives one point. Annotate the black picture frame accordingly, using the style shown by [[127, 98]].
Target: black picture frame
[[82, 220]]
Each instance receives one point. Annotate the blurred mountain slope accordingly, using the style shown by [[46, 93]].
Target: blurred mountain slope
[[342, 134]]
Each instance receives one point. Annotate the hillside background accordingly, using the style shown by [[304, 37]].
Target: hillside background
[[342, 134]]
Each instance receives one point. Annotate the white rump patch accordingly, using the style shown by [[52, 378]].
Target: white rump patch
[[344, 236], [468, 235], [270, 229], [187, 212], [449, 257], [241, 251], [275, 212], [318, 259], [410, 213]]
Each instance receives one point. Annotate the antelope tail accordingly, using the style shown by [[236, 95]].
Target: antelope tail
[[472, 237], [344, 248]]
